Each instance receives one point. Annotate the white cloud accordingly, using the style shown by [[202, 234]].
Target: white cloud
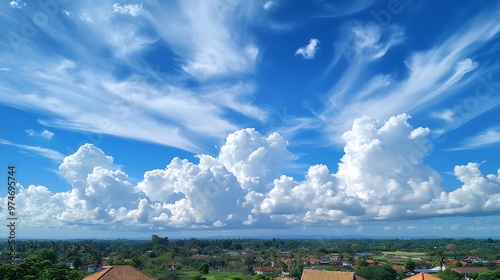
[[209, 36], [308, 51], [127, 9], [253, 159], [243, 186], [269, 4], [432, 75], [86, 17], [43, 152], [17, 4], [486, 138], [44, 133], [152, 103], [478, 193], [67, 13]]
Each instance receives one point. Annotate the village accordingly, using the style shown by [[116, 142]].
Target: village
[[248, 259]]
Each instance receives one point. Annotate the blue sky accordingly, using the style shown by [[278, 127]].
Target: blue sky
[[224, 118]]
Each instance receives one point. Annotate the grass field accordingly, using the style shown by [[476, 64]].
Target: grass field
[[408, 254]]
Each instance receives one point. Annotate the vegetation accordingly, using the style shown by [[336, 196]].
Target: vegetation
[[223, 259]]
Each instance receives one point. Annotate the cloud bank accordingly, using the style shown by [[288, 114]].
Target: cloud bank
[[381, 176]]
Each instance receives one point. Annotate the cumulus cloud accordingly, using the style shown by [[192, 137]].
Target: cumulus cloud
[[308, 51], [43, 134], [479, 193], [381, 176]]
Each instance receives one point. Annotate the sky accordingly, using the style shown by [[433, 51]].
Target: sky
[[251, 118]]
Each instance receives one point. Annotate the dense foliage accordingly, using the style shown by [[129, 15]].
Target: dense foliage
[[164, 258]]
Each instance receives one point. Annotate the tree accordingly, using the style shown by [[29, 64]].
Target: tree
[[489, 275], [382, 272], [410, 264], [262, 277], [361, 262], [441, 258], [204, 268], [449, 275], [77, 263]]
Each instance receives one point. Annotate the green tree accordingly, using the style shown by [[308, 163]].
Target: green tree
[[204, 268], [361, 262], [489, 275], [383, 272], [77, 263], [441, 258], [46, 254], [262, 277], [410, 264], [449, 275]]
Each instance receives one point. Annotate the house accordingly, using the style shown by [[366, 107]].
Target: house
[[464, 271], [199, 257], [396, 267], [119, 272], [456, 262], [265, 269], [310, 274], [94, 268], [423, 276], [325, 261]]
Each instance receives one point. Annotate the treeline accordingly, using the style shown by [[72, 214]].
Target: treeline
[[164, 258]]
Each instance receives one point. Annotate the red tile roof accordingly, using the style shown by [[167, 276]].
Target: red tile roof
[[119, 272], [466, 270]]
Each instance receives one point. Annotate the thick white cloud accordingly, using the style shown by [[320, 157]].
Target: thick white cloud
[[478, 194], [381, 176], [383, 166], [255, 160]]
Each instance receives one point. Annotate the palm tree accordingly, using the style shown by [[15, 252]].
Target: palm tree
[[441, 257]]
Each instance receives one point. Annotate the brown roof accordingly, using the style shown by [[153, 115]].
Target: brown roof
[[423, 276], [466, 270], [119, 272], [396, 267], [309, 274]]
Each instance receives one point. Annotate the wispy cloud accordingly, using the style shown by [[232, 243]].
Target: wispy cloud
[[86, 17], [308, 51], [269, 4], [340, 8], [432, 75], [17, 4], [84, 88], [207, 36], [127, 9], [486, 138], [43, 152], [44, 133]]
